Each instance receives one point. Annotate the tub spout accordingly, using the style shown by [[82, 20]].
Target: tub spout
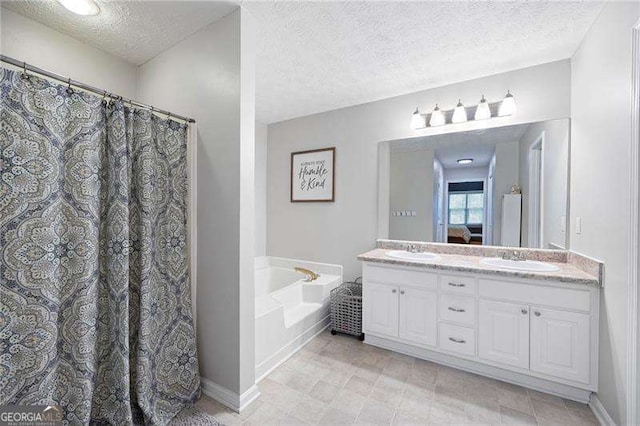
[[311, 276]]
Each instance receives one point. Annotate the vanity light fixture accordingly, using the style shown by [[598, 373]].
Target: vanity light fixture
[[483, 111], [81, 7], [459, 114], [507, 106], [418, 121], [437, 117], [465, 161]]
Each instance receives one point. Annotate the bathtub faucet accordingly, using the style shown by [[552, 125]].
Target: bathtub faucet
[[311, 276]]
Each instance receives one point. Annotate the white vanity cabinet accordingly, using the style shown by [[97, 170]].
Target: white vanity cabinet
[[537, 333]]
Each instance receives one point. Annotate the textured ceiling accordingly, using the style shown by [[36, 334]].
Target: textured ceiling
[[133, 30], [315, 57], [319, 56], [476, 144]]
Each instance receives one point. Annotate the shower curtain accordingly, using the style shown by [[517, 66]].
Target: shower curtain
[[95, 303]]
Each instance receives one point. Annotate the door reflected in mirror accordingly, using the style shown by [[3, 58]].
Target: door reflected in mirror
[[504, 186]]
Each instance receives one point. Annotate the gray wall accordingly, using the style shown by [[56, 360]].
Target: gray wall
[[411, 189], [505, 174], [555, 181], [600, 171], [209, 76], [261, 188], [337, 232]]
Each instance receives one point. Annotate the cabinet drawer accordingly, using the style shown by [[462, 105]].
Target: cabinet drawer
[[425, 280], [530, 294], [460, 309], [454, 338], [458, 284]]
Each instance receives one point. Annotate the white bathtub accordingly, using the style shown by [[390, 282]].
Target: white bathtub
[[289, 311]]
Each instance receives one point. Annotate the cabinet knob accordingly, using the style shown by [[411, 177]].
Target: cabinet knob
[[401, 291], [524, 312], [394, 290], [536, 313]]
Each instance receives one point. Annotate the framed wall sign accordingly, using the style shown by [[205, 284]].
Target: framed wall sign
[[312, 175]]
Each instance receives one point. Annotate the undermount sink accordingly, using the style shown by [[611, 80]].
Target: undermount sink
[[407, 255], [519, 265]]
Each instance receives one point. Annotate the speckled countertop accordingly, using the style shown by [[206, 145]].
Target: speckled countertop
[[568, 272]]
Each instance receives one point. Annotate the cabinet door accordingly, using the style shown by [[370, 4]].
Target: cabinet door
[[419, 316], [503, 333], [380, 309], [560, 344]]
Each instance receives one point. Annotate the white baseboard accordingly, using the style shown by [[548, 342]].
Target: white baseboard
[[264, 368], [535, 383], [229, 398], [599, 411]]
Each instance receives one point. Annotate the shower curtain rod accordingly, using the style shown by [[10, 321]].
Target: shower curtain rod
[[28, 67]]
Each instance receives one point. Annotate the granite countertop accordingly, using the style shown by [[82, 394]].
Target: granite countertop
[[568, 272]]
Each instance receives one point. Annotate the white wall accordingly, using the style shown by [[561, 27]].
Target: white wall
[[466, 174], [505, 174], [555, 172], [209, 76], [411, 189], [337, 232], [600, 171], [29, 41], [261, 188]]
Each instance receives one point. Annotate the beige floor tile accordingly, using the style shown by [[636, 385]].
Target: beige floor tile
[[450, 397], [482, 411], [406, 419], [550, 411], [514, 417], [349, 401], [386, 394], [541, 396], [515, 397], [416, 402], [443, 415], [301, 382], [266, 414], [323, 392], [375, 413], [308, 409], [359, 385], [281, 374], [368, 372], [336, 417], [398, 369], [581, 412]]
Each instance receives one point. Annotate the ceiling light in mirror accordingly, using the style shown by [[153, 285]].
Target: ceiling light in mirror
[[508, 105], [465, 161], [459, 114], [437, 117], [483, 111], [81, 7], [418, 121]]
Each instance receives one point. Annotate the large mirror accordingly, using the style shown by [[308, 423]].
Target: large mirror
[[504, 186]]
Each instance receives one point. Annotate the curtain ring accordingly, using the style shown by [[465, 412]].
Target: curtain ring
[[69, 89], [104, 98], [24, 75]]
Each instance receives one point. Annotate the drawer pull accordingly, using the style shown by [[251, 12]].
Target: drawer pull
[[451, 308], [454, 340], [452, 284]]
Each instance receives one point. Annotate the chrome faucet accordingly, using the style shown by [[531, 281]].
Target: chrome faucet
[[514, 255], [413, 248], [310, 275]]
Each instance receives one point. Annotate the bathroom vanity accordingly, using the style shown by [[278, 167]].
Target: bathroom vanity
[[536, 329]]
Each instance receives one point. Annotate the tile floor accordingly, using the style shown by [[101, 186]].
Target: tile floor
[[337, 380]]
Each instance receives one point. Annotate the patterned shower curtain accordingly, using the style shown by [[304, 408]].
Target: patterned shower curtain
[[95, 302]]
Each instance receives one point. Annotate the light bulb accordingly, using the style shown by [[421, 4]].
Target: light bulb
[[459, 114], [418, 121], [483, 111], [81, 7], [437, 117], [507, 106], [465, 161]]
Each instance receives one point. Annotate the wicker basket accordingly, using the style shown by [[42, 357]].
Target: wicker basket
[[346, 308]]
